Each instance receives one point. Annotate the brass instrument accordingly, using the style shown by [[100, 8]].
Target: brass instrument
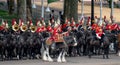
[[33, 28], [23, 28], [15, 27]]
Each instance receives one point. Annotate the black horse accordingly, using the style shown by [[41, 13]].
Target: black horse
[[93, 43], [81, 47], [2, 40], [105, 46]]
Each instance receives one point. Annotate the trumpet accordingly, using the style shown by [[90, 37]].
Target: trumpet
[[15, 27], [23, 28], [33, 28]]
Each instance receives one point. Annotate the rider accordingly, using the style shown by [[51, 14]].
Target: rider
[[99, 33]]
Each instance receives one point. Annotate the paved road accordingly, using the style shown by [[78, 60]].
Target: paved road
[[96, 60]]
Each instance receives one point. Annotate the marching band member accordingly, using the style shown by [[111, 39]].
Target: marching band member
[[39, 29], [96, 19], [89, 23], [6, 25], [65, 25], [14, 22], [99, 32], [21, 22], [105, 20], [38, 23], [49, 28], [29, 23], [43, 27], [79, 25], [73, 23]]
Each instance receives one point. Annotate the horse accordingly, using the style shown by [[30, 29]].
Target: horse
[[118, 38], [1, 45], [34, 42], [8, 44], [112, 39], [105, 46], [30, 42], [21, 48], [92, 42], [62, 43], [81, 47]]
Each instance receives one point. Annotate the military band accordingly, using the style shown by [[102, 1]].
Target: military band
[[56, 30]]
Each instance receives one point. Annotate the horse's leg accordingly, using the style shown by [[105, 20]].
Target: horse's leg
[[17, 52], [116, 47], [85, 51], [79, 50], [48, 55], [44, 55], [29, 51], [33, 51], [63, 56], [59, 59], [37, 51], [4, 51], [90, 49], [104, 51], [107, 52], [118, 52], [25, 50], [70, 51], [1, 52], [43, 52]]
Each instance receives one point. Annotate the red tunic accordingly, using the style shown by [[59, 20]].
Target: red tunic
[[94, 26], [39, 30], [64, 25], [13, 22], [49, 29], [1, 27], [114, 26], [77, 25], [43, 28], [99, 33]]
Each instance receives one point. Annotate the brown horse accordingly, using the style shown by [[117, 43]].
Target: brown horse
[[119, 44]]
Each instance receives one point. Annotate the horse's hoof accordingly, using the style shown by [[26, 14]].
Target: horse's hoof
[[45, 60], [50, 60], [64, 61], [89, 57], [59, 61], [103, 57], [18, 57], [107, 57]]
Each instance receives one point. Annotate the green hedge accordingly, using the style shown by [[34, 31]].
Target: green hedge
[[4, 15]]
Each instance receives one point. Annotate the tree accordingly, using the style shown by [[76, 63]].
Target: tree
[[74, 10], [11, 6], [29, 10], [109, 1], [71, 9], [21, 9], [66, 9], [24, 9]]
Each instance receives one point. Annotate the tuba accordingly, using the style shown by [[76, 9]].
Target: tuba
[[23, 28], [33, 28], [15, 27]]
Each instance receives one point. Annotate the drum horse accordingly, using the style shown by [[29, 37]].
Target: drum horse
[[62, 42]]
